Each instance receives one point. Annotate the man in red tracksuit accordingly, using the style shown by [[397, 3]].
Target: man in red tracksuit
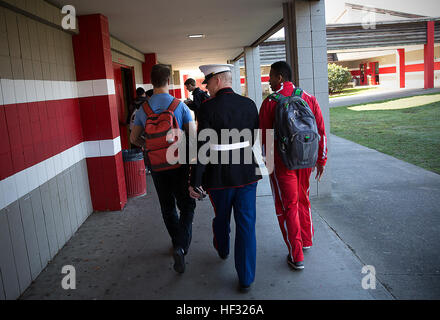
[[290, 188]]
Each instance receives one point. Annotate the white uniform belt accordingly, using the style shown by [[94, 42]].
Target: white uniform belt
[[228, 147]]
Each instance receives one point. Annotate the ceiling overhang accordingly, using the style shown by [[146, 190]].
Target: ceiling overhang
[[163, 27]]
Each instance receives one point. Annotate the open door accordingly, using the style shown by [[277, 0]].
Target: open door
[[374, 66], [125, 94]]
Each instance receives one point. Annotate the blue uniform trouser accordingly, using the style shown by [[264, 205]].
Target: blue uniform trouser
[[242, 200]]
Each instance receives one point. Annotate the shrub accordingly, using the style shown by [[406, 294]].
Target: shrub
[[338, 78]]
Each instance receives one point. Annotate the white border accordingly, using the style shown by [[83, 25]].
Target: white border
[[21, 183], [28, 91]]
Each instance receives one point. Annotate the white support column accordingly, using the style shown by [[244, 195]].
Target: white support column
[[306, 49], [253, 75], [236, 85]]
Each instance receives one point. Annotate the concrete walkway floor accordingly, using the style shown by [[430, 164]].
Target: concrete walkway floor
[[378, 95], [388, 212], [383, 212], [127, 255]]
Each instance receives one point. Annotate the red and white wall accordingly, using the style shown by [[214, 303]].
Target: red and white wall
[[44, 179], [60, 138], [391, 71]]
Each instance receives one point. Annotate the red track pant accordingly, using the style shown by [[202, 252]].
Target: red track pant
[[290, 189]]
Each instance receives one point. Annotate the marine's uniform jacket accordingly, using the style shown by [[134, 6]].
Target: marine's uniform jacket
[[227, 110], [198, 97]]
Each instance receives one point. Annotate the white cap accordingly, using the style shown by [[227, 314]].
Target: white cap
[[209, 70]]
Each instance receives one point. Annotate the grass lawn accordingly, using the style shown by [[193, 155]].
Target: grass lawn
[[352, 92], [410, 134]]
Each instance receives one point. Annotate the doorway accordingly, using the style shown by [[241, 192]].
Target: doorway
[[363, 80], [374, 66], [125, 95]]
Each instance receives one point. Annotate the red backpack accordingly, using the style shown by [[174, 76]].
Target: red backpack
[[159, 136]]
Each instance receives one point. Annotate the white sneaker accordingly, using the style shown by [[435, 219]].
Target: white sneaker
[[306, 248]]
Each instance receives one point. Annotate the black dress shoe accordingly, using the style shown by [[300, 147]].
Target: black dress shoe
[[244, 289], [179, 260], [223, 256]]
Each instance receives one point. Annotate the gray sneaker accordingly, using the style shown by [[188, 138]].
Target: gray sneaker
[[299, 265]]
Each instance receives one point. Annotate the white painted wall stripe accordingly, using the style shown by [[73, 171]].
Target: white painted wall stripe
[[27, 91], [1, 95], [18, 185], [175, 87], [102, 148], [146, 86]]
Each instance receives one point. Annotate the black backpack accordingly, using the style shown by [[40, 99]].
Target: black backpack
[[295, 131]]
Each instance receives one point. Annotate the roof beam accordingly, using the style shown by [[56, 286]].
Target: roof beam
[[274, 29], [387, 33], [383, 11]]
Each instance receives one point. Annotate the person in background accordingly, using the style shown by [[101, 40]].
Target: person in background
[[149, 93], [198, 96], [138, 103], [140, 99]]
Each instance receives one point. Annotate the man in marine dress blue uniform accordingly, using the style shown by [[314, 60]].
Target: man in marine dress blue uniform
[[230, 186]]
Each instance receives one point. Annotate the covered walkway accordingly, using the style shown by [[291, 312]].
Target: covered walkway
[[68, 73], [126, 255], [375, 206], [63, 100]]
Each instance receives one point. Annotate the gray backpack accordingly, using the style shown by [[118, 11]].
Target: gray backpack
[[295, 131]]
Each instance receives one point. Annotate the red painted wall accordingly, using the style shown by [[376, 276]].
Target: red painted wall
[[150, 61], [429, 56], [99, 114], [408, 68], [33, 132]]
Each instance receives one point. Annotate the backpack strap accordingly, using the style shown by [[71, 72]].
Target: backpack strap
[[172, 107], [174, 104], [147, 109], [298, 92], [276, 97]]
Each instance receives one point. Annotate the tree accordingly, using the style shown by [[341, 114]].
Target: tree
[[338, 78]]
